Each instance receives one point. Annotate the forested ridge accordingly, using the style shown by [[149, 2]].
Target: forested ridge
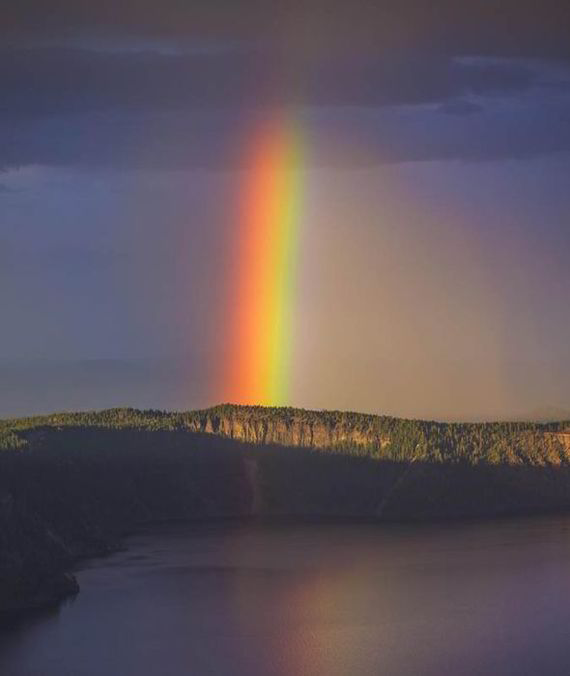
[[380, 437]]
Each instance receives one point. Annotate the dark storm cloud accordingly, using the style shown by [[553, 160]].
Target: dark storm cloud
[[346, 137], [495, 27], [460, 107], [171, 84], [417, 136], [60, 81], [123, 141]]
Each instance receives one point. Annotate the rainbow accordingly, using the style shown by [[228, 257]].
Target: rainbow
[[263, 289]]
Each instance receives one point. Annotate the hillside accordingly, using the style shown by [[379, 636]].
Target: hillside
[[379, 437], [72, 484]]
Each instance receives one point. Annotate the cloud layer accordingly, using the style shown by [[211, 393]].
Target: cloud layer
[[508, 28], [117, 84]]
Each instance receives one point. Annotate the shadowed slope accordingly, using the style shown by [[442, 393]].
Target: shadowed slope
[[72, 484]]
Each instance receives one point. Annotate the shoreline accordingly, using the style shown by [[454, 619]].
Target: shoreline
[[63, 586]]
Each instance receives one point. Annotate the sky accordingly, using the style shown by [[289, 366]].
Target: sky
[[432, 271]]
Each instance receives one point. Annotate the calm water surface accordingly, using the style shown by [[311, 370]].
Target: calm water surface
[[330, 600]]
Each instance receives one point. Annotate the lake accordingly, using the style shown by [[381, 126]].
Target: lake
[[242, 599]]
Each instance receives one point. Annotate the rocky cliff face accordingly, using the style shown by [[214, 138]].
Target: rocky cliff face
[[291, 428], [561, 440], [385, 437]]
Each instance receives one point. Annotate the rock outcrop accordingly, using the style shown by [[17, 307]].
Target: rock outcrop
[[292, 427]]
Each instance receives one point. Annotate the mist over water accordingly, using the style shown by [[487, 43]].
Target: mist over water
[[315, 599]]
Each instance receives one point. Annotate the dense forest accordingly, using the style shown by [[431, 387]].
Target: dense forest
[[71, 484]]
